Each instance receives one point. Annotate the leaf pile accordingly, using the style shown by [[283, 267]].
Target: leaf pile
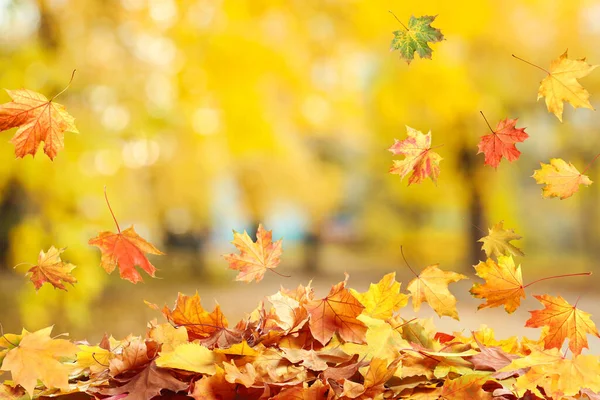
[[346, 345]]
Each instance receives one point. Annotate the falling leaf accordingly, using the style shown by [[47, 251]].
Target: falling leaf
[[38, 119], [501, 142], [336, 313], [189, 357], [561, 84], [431, 286], [419, 159], [415, 38], [382, 299], [561, 179], [148, 384], [497, 242], [50, 268], [254, 258], [38, 356], [503, 284], [199, 323], [125, 249], [565, 321]]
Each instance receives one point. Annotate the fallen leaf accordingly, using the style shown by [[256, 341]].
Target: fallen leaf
[[189, 357], [38, 119], [561, 179], [431, 286], [503, 284], [254, 258], [415, 37], [199, 323], [466, 387], [38, 356], [148, 384], [336, 313], [50, 268], [561, 84], [565, 321], [497, 242], [133, 355], [419, 159], [491, 358], [125, 249], [383, 299]]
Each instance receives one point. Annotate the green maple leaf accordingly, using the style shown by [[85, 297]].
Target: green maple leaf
[[415, 38]]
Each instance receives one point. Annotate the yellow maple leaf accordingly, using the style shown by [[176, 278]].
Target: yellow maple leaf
[[383, 298], [189, 357], [497, 242], [564, 321], [561, 84], [382, 341], [431, 286], [38, 357], [93, 357], [503, 284], [561, 179]]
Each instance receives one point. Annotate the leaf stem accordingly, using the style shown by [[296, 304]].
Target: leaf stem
[[24, 263], [66, 87], [557, 276], [406, 262], [279, 273], [486, 121], [590, 164], [533, 65], [397, 19], [4, 336], [111, 211], [95, 359]]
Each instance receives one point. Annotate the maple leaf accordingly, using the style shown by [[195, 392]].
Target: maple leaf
[[503, 284], [418, 157], [561, 84], [254, 258], [431, 286], [148, 384], [382, 299], [199, 323], [564, 321], [491, 358], [561, 179], [189, 357], [382, 341], [38, 119], [50, 268], [501, 142], [497, 242], [38, 356], [126, 250], [134, 355], [466, 387], [336, 313], [415, 38]]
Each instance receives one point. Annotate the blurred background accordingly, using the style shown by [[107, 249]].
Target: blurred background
[[203, 116]]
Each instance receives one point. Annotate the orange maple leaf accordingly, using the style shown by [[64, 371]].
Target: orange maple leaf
[[188, 312], [564, 321], [503, 284], [254, 258], [50, 268], [38, 356], [419, 159], [337, 313], [38, 119], [466, 387], [125, 249]]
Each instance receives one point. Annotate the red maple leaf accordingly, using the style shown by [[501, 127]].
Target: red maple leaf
[[501, 142]]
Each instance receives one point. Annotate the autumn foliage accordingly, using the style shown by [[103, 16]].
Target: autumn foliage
[[298, 345]]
